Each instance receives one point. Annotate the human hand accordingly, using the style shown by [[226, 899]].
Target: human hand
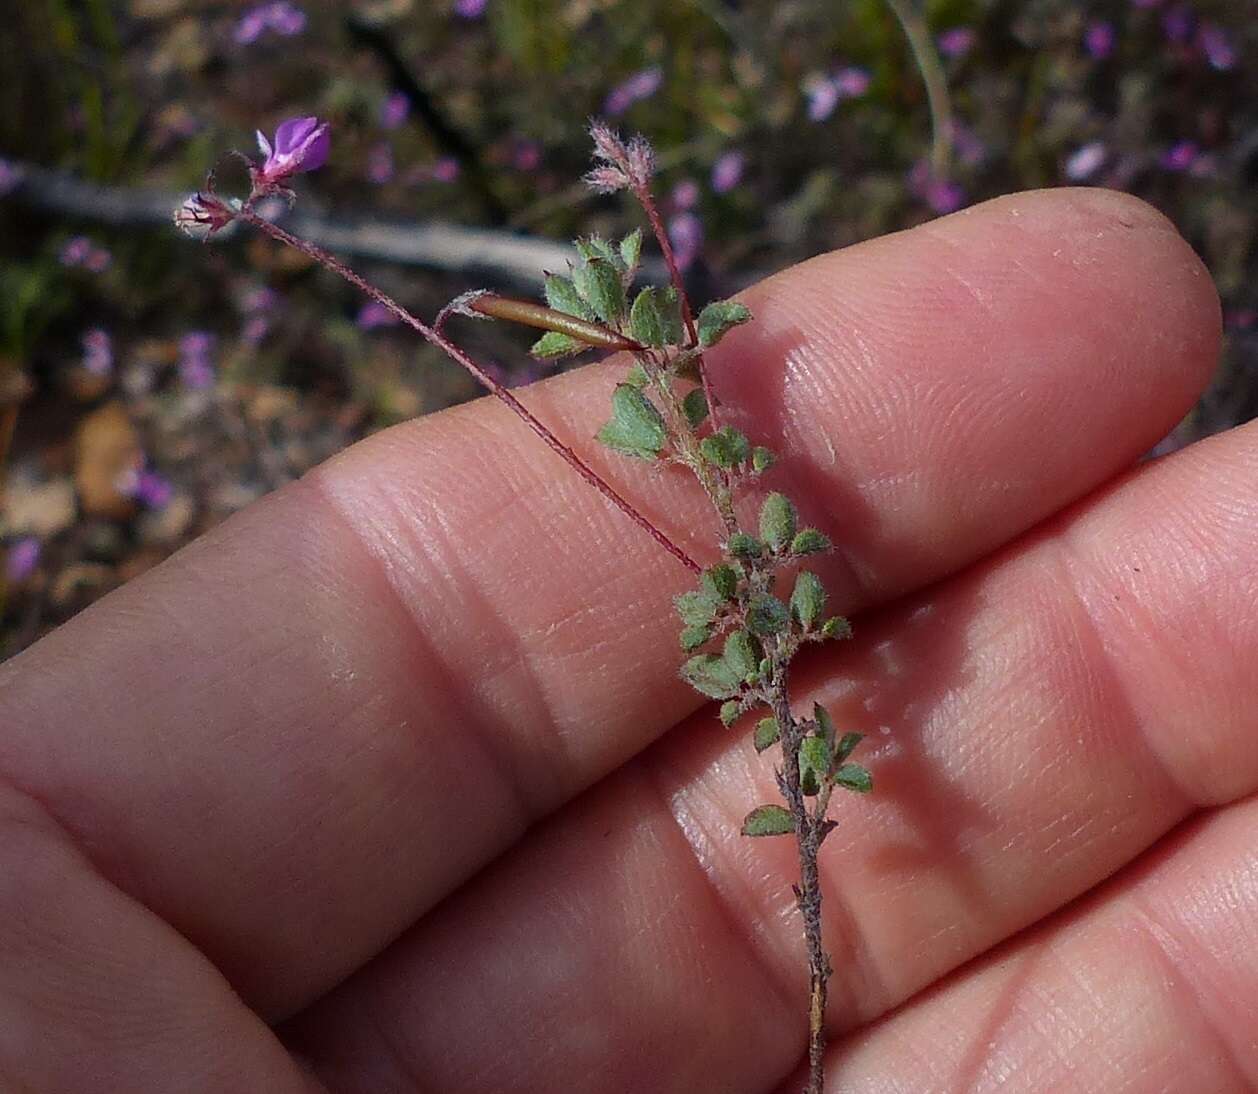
[[390, 784]]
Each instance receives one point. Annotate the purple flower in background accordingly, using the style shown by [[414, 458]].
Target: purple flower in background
[[685, 194], [98, 352], [301, 144], [1180, 156], [280, 18], [1217, 47], [641, 85], [395, 109], [968, 146], [685, 232], [373, 314], [1086, 161], [941, 194], [727, 172], [526, 155], [380, 162], [1178, 23], [1098, 40], [196, 370], [10, 177], [445, 169], [1146, 3], [22, 559], [957, 41], [150, 489], [470, 9], [81, 251], [852, 82], [823, 96]]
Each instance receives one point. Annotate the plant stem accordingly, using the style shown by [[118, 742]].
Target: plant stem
[[932, 73], [331, 262]]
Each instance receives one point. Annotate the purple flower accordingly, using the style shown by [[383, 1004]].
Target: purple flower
[[380, 162], [301, 144], [255, 329], [75, 251], [280, 18], [685, 194], [470, 9], [373, 314], [969, 148], [260, 299], [1098, 40], [10, 177], [98, 352], [22, 559], [395, 109], [823, 96], [685, 232], [641, 85], [957, 41], [941, 194], [1178, 23], [196, 370], [1085, 162], [1180, 156], [445, 169], [526, 156], [727, 172], [150, 489], [1217, 47], [852, 81]]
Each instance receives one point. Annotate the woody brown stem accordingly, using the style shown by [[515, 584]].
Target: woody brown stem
[[331, 262]]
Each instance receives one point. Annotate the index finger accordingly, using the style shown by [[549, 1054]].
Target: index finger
[[300, 733]]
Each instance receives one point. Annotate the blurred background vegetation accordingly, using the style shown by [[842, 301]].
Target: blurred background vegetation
[[158, 386]]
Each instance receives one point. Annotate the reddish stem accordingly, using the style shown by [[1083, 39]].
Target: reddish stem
[[329, 261], [647, 201]]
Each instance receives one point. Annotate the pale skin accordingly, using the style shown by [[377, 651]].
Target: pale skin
[[389, 784]]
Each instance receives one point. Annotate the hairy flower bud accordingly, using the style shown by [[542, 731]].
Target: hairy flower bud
[[203, 214]]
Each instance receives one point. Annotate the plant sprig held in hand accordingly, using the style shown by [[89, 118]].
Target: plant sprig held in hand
[[738, 627]]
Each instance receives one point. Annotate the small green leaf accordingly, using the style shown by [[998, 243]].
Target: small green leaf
[[595, 247], [555, 344], [711, 676], [742, 655], [670, 315], [598, 282], [562, 295], [768, 820], [765, 667], [718, 318], [854, 777], [695, 406], [727, 449], [721, 580], [762, 459], [809, 542], [730, 712], [698, 609], [814, 763], [694, 636], [847, 744], [645, 322], [741, 545], [808, 598], [777, 521], [631, 250], [767, 733], [837, 627], [825, 725], [637, 377], [636, 427], [767, 615]]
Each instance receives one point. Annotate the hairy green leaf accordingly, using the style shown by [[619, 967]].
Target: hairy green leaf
[[711, 676], [809, 542], [768, 820], [741, 545], [554, 344], [847, 744], [854, 777], [698, 609], [695, 406], [825, 725], [742, 654], [645, 322], [837, 627], [730, 712], [767, 615], [808, 598], [718, 318], [636, 427], [562, 295], [693, 637], [727, 449], [598, 282], [631, 250], [767, 733], [722, 580], [777, 521], [814, 763], [762, 459]]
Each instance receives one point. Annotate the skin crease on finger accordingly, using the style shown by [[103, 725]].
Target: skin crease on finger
[[312, 679]]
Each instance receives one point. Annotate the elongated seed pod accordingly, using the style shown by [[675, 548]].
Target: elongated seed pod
[[544, 318]]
